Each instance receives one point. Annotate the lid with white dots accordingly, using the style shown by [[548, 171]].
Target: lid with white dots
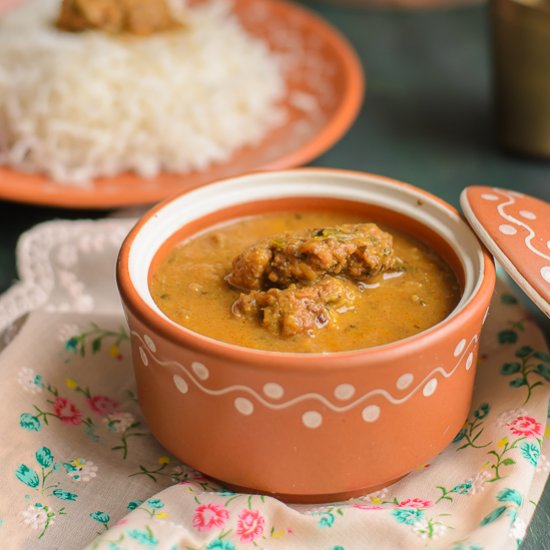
[[516, 230]]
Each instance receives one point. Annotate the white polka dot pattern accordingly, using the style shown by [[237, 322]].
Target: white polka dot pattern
[[404, 381], [275, 391], [312, 419], [244, 406], [143, 355], [344, 392], [344, 396], [149, 343], [371, 413], [180, 383], [200, 370], [460, 347], [430, 387], [528, 215], [506, 229]]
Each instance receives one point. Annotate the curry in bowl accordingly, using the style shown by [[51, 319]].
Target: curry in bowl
[[311, 281]]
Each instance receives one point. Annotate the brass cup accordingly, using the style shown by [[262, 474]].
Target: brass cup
[[521, 70]]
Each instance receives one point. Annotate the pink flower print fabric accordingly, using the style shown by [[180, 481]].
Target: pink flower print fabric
[[210, 516], [86, 464]]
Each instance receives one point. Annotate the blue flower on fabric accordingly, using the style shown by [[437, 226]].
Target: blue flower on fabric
[[509, 495], [326, 520], [29, 422], [493, 516], [508, 337], [27, 476], [524, 351], [71, 344], [220, 544], [530, 452], [155, 503], [143, 537], [44, 457], [64, 495], [100, 517], [462, 488], [482, 411], [518, 382], [133, 504], [409, 516], [69, 467], [510, 368], [460, 435]]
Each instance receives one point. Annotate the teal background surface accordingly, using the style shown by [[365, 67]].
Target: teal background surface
[[427, 120]]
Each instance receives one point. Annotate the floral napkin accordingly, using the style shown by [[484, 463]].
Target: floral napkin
[[80, 469]]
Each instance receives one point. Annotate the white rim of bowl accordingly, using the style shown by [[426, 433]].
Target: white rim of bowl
[[173, 214]]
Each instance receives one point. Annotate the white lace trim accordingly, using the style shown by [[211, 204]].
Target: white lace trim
[[62, 266]]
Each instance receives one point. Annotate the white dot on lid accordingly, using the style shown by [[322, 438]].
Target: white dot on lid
[[275, 391], [244, 406], [506, 229], [143, 355], [312, 419], [404, 381], [344, 392], [460, 347], [371, 413], [528, 215], [180, 383], [545, 272], [489, 197], [149, 343], [469, 361], [430, 387], [200, 370]]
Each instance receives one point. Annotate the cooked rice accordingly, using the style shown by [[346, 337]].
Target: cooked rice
[[79, 106]]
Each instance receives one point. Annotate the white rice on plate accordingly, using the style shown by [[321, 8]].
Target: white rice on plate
[[86, 105]]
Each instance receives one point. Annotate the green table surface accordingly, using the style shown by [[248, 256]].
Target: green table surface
[[427, 120]]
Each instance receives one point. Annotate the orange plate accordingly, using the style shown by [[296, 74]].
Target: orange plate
[[326, 67]]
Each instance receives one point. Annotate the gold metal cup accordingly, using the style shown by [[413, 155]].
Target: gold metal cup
[[521, 67]]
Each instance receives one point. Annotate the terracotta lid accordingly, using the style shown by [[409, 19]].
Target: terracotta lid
[[516, 230]]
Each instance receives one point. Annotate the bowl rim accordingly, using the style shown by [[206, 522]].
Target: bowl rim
[[206, 345]]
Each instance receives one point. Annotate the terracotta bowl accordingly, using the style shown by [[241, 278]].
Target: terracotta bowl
[[305, 427]]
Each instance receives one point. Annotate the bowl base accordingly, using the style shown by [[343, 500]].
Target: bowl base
[[312, 499]]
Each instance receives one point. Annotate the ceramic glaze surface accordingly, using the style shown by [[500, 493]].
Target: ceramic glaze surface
[[516, 229], [287, 423], [341, 399]]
